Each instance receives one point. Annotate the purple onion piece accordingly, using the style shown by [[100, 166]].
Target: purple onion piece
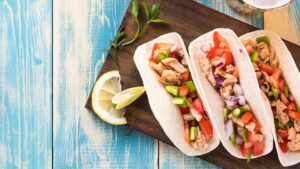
[[238, 90], [239, 131], [219, 80], [242, 100], [239, 140], [229, 127]]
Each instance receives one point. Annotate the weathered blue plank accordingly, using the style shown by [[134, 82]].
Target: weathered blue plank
[[26, 84], [82, 30]]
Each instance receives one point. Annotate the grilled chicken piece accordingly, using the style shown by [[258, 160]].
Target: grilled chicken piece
[[283, 116], [226, 91], [180, 53], [159, 68], [263, 50], [294, 140], [206, 68], [170, 77], [217, 61], [248, 45], [200, 142], [250, 126], [273, 58], [297, 125], [188, 117], [230, 81], [174, 64]]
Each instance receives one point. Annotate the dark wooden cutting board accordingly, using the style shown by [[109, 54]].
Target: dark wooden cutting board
[[190, 20]]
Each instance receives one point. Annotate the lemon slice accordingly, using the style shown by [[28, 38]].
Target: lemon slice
[[126, 97], [104, 90]]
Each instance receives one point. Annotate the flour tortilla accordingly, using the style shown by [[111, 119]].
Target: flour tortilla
[[292, 77], [212, 99], [166, 113]]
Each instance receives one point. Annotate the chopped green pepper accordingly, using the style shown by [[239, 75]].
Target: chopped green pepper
[[263, 39], [286, 91], [297, 108], [249, 156], [173, 90], [237, 112], [232, 138], [245, 108], [181, 101], [254, 56], [225, 113], [194, 123], [278, 124], [191, 85], [275, 93], [290, 123], [161, 56], [193, 133], [244, 135]]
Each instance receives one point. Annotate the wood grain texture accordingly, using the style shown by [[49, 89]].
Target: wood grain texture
[[26, 84], [82, 30], [285, 22], [139, 115]]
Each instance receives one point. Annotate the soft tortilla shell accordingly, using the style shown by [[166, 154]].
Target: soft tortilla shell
[[212, 99], [160, 101], [292, 77]]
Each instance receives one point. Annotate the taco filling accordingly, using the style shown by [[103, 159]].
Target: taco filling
[[242, 127], [169, 62], [272, 84]]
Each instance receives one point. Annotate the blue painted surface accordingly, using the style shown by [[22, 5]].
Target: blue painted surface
[[82, 30], [26, 84]]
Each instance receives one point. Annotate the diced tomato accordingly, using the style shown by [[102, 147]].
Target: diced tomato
[[187, 132], [281, 85], [253, 138], [276, 73], [193, 95], [152, 59], [206, 128], [183, 90], [216, 38], [155, 46], [257, 125], [284, 147], [291, 106], [248, 145], [185, 76], [228, 57], [197, 105], [246, 117], [284, 99], [211, 53], [244, 150], [283, 133], [184, 110], [294, 115], [258, 148], [235, 72], [266, 68], [174, 55]]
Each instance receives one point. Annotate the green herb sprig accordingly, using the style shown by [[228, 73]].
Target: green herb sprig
[[152, 17], [115, 44], [120, 38]]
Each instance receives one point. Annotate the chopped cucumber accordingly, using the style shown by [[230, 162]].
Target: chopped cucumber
[[275, 93], [191, 85], [254, 56], [245, 108], [174, 90], [226, 113], [237, 113], [244, 135], [263, 39], [286, 91], [193, 133]]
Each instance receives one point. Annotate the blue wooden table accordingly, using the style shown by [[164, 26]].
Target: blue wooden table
[[51, 53]]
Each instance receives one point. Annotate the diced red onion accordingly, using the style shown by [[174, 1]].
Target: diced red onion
[[241, 51], [231, 100], [238, 89], [228, 127], [239, 131], [242, 100], [291, 98], [239, 140], [219, 80]]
